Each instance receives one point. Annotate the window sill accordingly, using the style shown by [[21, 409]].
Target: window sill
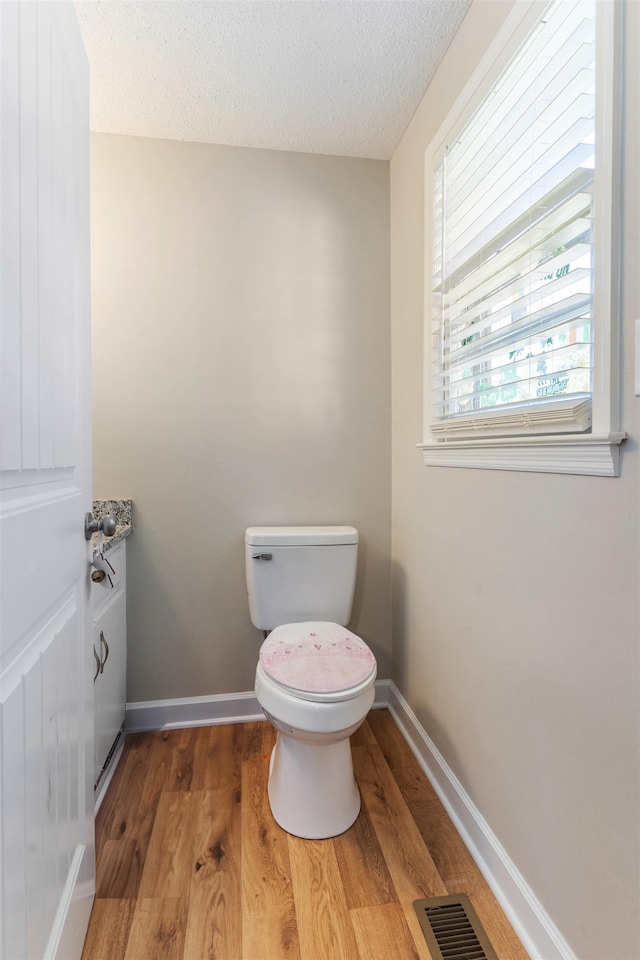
[[576, 454]]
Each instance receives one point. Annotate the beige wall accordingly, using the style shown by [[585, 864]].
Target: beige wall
[[241, 376], [516, 618]]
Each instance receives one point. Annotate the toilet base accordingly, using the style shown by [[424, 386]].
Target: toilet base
[[312, 790]]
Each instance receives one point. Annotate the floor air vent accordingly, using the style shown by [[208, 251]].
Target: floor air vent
[[452, 929]]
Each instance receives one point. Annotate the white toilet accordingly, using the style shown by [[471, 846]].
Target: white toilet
[[315, 679]]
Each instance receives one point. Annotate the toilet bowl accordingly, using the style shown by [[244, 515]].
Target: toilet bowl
[[315, 683]]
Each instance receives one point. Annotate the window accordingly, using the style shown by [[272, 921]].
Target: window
[[521, 295]]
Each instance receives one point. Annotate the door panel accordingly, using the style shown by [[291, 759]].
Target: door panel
[[46, 693], [32, 693], [111, 681], [13, 818]]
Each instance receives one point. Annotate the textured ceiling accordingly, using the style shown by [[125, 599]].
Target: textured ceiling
[[337, 77]]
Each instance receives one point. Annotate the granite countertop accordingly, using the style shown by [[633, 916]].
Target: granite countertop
[[122, 512]]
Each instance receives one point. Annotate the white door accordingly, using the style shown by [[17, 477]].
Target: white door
[[46, 661]]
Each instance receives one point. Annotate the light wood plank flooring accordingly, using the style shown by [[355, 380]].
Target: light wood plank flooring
[[192, 866]]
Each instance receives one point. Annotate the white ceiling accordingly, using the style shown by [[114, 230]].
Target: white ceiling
[[339, 77]]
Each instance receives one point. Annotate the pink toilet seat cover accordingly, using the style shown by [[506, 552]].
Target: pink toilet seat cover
[[316, 657]]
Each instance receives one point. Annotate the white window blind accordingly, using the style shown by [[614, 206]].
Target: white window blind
[[513, 265]]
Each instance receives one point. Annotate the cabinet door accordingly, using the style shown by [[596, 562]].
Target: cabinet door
[[109, 640]]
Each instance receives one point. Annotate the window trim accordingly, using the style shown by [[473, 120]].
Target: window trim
[[597, 452]]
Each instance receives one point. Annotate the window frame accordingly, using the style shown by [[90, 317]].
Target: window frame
[[595, 452]]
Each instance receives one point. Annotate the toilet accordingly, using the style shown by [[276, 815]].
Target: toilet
[[315, 678]]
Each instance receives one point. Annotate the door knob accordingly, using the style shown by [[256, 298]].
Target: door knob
[[91, 526]]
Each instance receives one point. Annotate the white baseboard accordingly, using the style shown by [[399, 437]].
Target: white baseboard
[[383, 688], [191, 712], [71, 921], [538, 934], [208, 711]]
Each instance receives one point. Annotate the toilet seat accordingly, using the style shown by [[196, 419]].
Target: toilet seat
[[318, 661]]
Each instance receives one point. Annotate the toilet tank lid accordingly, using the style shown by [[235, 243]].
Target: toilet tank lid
[[299, 536]]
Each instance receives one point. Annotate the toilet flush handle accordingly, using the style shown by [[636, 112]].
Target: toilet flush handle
[[261, 556]]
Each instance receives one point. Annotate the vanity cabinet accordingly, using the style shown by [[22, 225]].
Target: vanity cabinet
[[110, 656]]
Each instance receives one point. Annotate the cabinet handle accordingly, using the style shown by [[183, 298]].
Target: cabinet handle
[[106, 648], [98, 664]]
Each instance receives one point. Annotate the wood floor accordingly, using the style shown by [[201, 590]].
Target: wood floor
[[192, 866]]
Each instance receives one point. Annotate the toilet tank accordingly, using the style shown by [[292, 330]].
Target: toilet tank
[[300, 573]]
